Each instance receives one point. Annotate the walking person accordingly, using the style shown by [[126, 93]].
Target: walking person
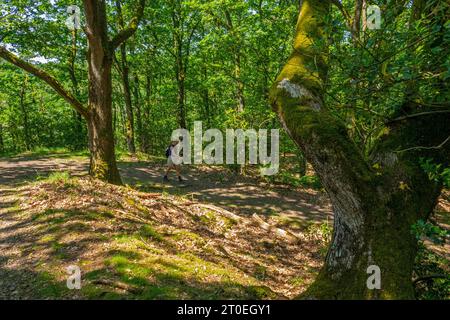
[[173, 161]]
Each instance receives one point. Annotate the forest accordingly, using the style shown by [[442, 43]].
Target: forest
[[225, 149]]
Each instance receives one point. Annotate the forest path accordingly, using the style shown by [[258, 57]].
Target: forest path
[[240, 194]]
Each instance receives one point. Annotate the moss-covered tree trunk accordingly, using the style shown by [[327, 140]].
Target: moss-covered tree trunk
[[99, 118], [101, 138], [374, 209]]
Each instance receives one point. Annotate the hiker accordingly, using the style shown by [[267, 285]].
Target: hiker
[[172, 160]]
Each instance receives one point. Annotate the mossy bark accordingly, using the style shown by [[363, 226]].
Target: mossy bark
[[99, 118], [373, 208]]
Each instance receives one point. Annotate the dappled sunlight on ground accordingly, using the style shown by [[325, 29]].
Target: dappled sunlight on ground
[[143, 245], [216, 235]]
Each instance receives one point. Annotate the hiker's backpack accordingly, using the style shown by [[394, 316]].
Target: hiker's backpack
[[168, 152]]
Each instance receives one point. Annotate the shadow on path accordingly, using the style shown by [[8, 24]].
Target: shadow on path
[[244, 195]]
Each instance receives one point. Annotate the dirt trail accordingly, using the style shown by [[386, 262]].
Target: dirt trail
[[243, 195]]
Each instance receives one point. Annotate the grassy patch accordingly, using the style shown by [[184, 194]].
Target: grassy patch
[[147, 231], [141, 247], [294, 180]]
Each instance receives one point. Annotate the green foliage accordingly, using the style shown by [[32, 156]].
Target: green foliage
[[291, 178], [432, 277], [59, 177], [429, 230], [322, 231], [260, 35], [436, 172], [148, 232]]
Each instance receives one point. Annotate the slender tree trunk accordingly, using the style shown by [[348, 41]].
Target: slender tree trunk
[[364, 15], [181, 100], [79, 134], [373, 211], [2, 145], [129, 124], [125, 74], [23, 109], [240, 101], [239, 84], [148, 113], [207, 106], [179, 64], [137, 101]]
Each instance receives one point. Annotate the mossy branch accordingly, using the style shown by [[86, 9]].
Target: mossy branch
[[124, 34]]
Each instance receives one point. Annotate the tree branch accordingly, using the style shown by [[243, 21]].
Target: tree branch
[[433, 276], [426, 148], [415, 115], [43, 75], [124, 34], [347, 17]]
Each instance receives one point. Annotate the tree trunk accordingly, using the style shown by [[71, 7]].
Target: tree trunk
[[179, 64], [205, 94], [2, 145], [240, 102], [79, 134], [125, 74], [26, 126], [137, 101], [373, 210], [101, 137], [146, 115], [239, 84], [128, 104]]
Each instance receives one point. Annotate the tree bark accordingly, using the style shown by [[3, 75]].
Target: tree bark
[[180, 70], [137, 101], [2, 145], [125, 75], [23, 109], [146, 114], [79, 135], [373, 210], [239, 84], [101, 137], [240, 101]]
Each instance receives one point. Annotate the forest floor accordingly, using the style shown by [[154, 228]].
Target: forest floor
[[217, 235]]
